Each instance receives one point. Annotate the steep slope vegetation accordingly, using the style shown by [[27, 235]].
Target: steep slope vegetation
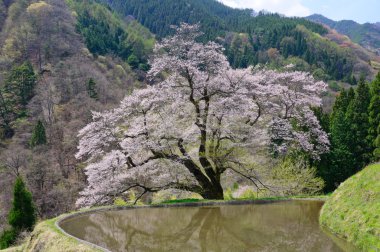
[[367, 35], [68, 82], [105, 33], [249, 40], [363, 56], [352, 212], [47, 237], [214, 17]]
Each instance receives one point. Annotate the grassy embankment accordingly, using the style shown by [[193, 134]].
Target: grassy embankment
[[353, 210], [48, 238]]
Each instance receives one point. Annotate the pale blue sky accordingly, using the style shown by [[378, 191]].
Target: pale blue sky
[[359, 10]]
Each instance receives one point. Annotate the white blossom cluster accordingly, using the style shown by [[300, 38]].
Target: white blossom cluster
[[182, 132]]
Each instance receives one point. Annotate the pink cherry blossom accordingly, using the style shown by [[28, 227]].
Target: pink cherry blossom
[[185, 131]]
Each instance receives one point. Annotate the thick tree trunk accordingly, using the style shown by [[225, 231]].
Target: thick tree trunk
[[213, 192]]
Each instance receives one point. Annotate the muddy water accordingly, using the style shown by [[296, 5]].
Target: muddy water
[[281, 226]]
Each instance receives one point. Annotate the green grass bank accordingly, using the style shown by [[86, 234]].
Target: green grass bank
[[353, 210], [47, 237]]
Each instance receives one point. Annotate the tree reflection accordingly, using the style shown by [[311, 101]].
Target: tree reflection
[[291, 226]]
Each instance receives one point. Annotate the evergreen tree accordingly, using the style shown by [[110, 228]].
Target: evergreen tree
[[15, 95], [376, 152], [19, 87], [133, 61], [337, 166], [353, 80], [342, 101], [353, 118], [22, 215], [7, 238], [38, 135], [324, 169], [323, 118], [341, 159], [91, 89], [358, 120], [350, 96], [6, 116], [374, 116]]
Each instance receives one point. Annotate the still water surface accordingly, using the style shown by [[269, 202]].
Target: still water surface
[[281, 226]]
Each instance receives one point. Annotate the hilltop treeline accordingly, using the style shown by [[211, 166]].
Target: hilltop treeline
[[249, 39]]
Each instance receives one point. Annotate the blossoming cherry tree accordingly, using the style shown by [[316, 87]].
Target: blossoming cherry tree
[[201, 120]]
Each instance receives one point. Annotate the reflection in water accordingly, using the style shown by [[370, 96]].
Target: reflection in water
[[282, 226]]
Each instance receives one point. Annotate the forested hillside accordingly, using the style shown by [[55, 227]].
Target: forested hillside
[[61, 60], [105, 33], [367, 35], [265, 38], [52, 75], [214, 17]]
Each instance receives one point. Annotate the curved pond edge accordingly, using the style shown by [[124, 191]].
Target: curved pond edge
[[168, 205]]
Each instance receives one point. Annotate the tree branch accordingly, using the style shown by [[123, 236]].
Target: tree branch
[[253, 179]]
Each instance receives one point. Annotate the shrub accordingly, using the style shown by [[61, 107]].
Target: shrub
[[228, 194], [296, 177], [119, 202], [8, 238], [244, 192], [248, 194], [334, 86], [133, 61]]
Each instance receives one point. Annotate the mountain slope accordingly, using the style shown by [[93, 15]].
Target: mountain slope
[[71, 81], [214, 17], [367, 35], [105, 33], [249, 40]]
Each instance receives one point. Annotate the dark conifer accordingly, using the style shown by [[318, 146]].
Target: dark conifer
[[22, 215], [38, 135]]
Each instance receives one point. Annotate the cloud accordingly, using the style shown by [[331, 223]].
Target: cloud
[[287, 7]]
